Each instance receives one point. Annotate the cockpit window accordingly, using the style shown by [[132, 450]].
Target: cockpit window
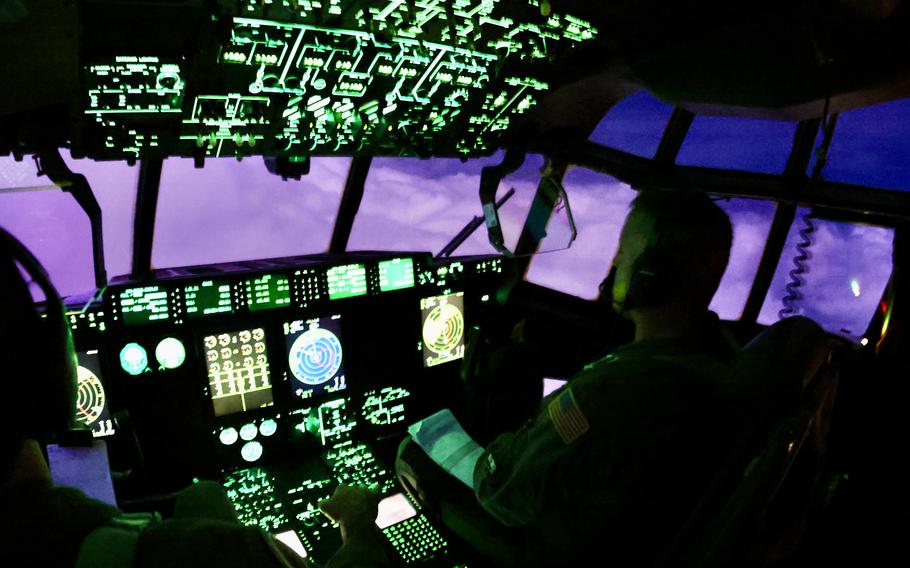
[[599, 204], [419, 205], [751, 219], [55, 228], [843, 273], [635, 124], [870, 146], [232, 210], [737, 143]]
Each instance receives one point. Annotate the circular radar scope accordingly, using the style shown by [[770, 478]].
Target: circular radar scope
[[89, 396], [315, 356], [443, 328]]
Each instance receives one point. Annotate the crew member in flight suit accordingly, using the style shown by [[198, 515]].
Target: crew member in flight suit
[[45, 525], [614, 460]]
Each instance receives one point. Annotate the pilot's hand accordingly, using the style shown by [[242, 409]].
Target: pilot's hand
[[353, 508]]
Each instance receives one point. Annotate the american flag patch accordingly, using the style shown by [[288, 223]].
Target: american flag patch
[[568, 419]]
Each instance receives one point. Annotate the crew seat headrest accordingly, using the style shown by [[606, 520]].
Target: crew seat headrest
[[779, 363]]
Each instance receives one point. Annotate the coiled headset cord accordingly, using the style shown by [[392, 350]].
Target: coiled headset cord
[[803, 255]]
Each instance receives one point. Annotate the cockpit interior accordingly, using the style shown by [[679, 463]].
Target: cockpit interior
[[286, 230]]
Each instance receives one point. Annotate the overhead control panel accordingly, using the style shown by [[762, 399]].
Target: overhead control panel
[[297, 78]]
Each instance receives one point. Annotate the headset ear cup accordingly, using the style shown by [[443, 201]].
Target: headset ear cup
[[653, 280], [44, 365]]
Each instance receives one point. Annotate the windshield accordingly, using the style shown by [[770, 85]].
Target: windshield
[[230, 211]]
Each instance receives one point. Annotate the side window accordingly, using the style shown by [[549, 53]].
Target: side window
[[834, 274], [869, 146], [53, 226], [737, 143], [599, 204], [635, 124], [751, 220]]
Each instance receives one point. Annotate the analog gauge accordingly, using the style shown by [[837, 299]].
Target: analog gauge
[[248, 431], [170, 353], [134, 359], [228, 436], [251, 451], [268, 427]]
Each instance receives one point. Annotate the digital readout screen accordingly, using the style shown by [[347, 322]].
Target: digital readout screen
[[396, 274], [207, 298], [146, 304], [267, 292], [347, 281]]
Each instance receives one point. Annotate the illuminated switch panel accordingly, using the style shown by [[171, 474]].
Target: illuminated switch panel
[[415, 539], [354, 463], [316, 77], [310, 286], [125, 95], [252, 492]]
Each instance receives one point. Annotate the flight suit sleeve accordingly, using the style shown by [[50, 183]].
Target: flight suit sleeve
[[519, 470]]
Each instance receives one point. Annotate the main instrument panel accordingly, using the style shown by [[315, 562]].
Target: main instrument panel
[[282, 378]]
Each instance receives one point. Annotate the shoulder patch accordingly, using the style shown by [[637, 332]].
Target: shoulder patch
[[567, 417]]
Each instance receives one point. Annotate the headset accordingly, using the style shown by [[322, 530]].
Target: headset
[[657, 273], [41, 386]]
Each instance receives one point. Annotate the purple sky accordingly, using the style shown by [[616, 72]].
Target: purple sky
[[234, 210]]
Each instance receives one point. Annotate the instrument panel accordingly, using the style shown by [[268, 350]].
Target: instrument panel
[[281, 378], [301, 78]]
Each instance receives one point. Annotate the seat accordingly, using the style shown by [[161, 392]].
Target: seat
[[783, 386]]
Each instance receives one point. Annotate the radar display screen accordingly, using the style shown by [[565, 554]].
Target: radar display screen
[[267, 292], [147, 304], [347, 281], [315, 356], [92, 406], [442, 320], [207, 298], [238, 370], [396, 274]]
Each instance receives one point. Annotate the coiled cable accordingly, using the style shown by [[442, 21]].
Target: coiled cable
[[800, 267]]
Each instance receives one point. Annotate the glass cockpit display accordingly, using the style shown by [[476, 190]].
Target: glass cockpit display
[[396, 274], [315, 356], [208, 297], [146, 304], [92, 406], [238, 370], [347, 281], [267, 292], [442, 325]]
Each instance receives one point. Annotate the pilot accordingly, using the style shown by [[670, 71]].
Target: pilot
[[46, 525], [614, 461]]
